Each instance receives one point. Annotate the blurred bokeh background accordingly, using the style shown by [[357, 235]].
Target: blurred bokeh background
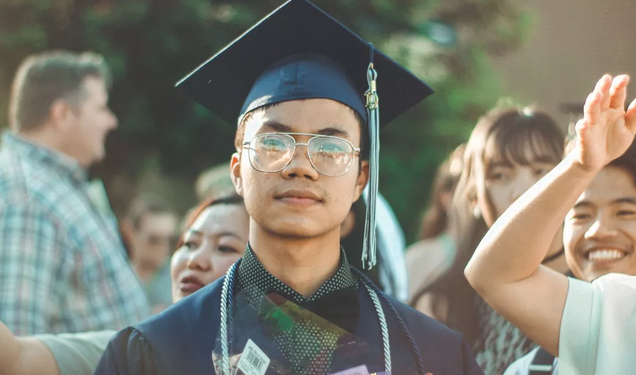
[[472, 52]]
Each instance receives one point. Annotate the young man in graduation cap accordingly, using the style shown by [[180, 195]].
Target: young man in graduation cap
[[303, 89]]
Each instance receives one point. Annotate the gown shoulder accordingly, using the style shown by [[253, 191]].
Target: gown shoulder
[[441, 348], [178, 340]]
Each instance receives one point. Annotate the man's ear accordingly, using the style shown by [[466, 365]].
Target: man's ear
[[60, 114], [127, 231], [362, 180], [235, 170]]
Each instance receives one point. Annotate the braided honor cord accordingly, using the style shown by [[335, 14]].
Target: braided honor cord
[[416, 352], [227, 303], [383, 326]]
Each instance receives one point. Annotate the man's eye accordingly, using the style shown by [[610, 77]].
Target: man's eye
[[272, 144], [625, 213]]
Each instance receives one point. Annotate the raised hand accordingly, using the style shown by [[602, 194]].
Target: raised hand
[[606, 130]]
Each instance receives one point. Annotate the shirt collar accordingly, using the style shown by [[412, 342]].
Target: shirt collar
[[252, 275], [336, 300], [16, 144]]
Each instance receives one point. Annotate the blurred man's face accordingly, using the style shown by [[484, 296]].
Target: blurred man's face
[[153, 240], [600, 230], [91, 122]]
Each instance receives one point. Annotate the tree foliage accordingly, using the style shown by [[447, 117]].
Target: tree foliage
[[150, 44]]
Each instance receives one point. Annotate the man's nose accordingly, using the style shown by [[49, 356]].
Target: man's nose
[[300, 164], [600, 229]]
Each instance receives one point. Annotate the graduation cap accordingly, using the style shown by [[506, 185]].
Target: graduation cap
[[300, 52]]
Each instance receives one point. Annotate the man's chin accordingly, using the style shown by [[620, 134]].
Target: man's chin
[[98, 156], [290, 229]]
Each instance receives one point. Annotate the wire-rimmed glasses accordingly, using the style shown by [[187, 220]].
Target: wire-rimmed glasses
[[329, 155]]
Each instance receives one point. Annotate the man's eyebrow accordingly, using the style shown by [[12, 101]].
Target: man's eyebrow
[[331, 130], [278, 127], [334, 131], [628, 200]]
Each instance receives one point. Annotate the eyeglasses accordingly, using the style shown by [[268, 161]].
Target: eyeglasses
[[329, 155]]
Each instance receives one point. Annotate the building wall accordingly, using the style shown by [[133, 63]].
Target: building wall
[[571, 44]]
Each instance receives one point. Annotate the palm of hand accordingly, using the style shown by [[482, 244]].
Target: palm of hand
[[606, 131]]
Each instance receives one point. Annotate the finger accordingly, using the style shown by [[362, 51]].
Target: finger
[[630, 117], [581, 126], [592, 108], [603, 86], [618, 92]]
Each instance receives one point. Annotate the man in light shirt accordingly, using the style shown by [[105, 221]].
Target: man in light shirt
[[63, 267]]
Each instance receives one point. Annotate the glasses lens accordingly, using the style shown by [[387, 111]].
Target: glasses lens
[[331, 156], [271, 152]]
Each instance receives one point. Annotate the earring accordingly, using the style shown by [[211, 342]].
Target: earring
[[476, 212]]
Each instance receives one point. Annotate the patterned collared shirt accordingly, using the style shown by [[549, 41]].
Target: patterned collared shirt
[[252, 276], [307, 346], [63, 267]]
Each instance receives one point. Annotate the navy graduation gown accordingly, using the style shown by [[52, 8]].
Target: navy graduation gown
[[181, 339]]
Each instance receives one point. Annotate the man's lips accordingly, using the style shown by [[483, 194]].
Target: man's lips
[[299, 197]]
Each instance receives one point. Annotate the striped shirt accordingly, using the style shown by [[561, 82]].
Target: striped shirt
[[63, 267]]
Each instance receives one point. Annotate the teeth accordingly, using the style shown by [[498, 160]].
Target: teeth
[[605, 255]]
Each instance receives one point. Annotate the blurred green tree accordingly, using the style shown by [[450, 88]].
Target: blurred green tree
[[150, 44]]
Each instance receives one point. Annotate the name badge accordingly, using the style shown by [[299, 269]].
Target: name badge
[[253, 360]]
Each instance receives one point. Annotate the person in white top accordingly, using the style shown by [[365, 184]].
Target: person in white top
[[603, 218], [589, 326]]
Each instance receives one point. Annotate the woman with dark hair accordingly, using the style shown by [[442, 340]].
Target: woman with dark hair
[[215, 237], [434, 253], [509, 150]]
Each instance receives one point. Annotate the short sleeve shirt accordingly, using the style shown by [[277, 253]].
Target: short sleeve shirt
[[79, 353], [598, 328]]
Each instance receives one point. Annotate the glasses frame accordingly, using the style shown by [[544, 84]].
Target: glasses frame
[[248, 146]]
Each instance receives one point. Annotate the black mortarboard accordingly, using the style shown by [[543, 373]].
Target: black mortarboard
[[300, 52]]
